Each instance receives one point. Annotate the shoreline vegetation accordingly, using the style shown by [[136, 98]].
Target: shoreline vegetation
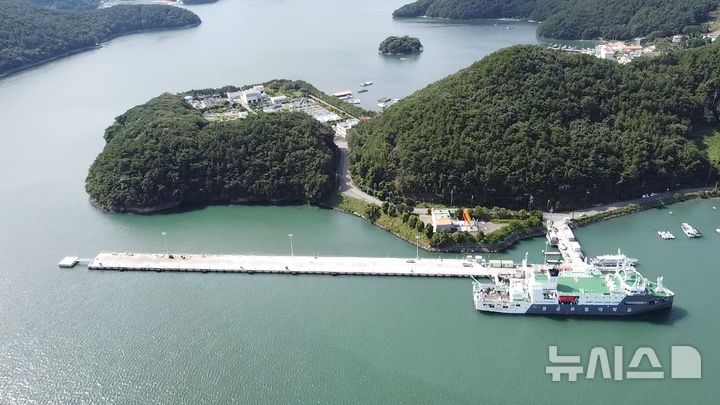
[[401, 221], [579, 19], [500, 240], [32, 35], [88, 48]]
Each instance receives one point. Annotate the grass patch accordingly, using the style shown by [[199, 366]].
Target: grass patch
[[711, 141], [715, 23]]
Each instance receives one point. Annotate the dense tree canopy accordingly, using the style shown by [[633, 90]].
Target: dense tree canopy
[[67, 4], [577, 19], [90, 4], [404, 45], [560, 127], [31, 34], [164, 153]]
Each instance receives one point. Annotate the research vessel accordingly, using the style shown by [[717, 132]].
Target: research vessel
[[572, 285]]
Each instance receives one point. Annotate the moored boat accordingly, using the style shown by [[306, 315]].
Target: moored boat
[[612, 262], [690, 231], [570, 290]]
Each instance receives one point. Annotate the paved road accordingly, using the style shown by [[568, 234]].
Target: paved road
[[347, 187], [556, 216], [345, 183]]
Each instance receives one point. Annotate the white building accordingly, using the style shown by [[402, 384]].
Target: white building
[[234, 96], [605, 51], [279, 99], [252, 96], [441, 220], [342, 127]]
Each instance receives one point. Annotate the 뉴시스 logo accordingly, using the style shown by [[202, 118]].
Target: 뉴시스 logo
[[685, 363]]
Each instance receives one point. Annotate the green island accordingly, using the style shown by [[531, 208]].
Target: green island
[[31, 35], [252, 144], [404, 45], [525, 130], [93, 4], [578, 19], [531, 127]]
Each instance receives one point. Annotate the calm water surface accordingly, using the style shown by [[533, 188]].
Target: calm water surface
[[75, 336]]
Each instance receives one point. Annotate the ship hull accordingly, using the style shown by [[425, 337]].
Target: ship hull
[[632, 305]]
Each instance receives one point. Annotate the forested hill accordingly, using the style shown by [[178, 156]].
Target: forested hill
[[578, 19], [67, 4], [528, 121], [91, 4], [164, 153], [30, 34]]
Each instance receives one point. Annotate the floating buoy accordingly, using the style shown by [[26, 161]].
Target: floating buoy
[[670, 213]]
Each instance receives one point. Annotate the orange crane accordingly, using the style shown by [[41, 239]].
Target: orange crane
[[467, 218]]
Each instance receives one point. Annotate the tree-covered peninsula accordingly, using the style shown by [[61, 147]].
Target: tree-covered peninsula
[[404, 45], [578, 19], [30, 35], [91, 4], [164, 154], [529, 125]]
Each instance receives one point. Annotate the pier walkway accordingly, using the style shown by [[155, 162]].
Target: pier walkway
[[357, 266]]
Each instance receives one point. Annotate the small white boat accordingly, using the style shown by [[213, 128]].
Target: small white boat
[[365, 84], [717, 230], [354, 101], [690, 231], [666, 235], [382, 105], [612, 263]]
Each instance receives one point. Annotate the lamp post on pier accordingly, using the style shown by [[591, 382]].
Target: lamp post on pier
[[167, 250], [417, 247], [292, 253]]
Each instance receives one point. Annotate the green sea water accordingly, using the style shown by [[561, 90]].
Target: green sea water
[[75, 336]]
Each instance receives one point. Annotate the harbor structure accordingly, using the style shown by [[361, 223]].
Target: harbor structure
[[573, 285], [470, 266]]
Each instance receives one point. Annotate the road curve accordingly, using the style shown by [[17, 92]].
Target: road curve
[[344, 181]]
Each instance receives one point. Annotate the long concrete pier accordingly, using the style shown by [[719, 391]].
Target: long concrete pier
[[356, 266]]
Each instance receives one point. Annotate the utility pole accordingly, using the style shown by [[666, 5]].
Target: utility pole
[[167, 250], [292, 253], [587, 192]]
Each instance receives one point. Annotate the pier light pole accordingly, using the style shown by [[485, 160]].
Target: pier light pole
[[417, 247], [292, 253], [587, 192], [167, 250]]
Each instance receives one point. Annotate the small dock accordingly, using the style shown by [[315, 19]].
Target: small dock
[[560, 235], [72, 261], [293, 265]]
